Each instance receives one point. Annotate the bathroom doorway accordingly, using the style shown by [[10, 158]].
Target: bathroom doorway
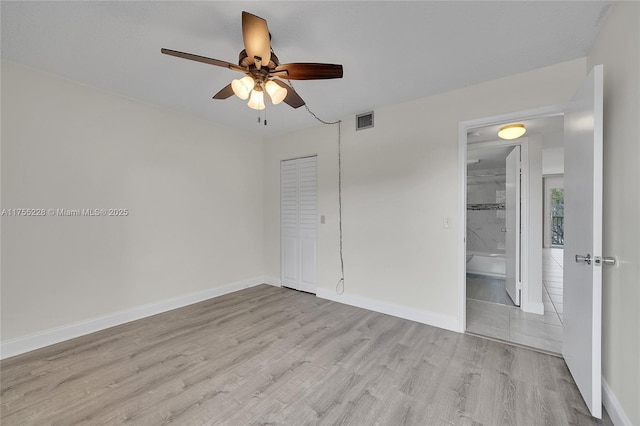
[[582, 125], [486, 224], [532, 319]]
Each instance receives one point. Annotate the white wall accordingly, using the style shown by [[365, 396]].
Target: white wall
[[552, 161], [400, 182], [193, 190], [532, 294], [618, 48]]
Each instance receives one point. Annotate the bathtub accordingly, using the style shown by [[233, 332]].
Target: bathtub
[[489, 264]]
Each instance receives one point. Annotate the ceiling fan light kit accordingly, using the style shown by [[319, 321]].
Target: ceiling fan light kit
[[256, 101], [276, 93], [243, 87], [262, 69]]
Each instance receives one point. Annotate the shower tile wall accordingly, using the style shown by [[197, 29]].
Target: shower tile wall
[[485, 223]]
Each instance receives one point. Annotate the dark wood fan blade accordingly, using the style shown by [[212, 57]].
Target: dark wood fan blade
[[292, 99], [203, 59], [226, 92], [309, 71], [255, 35]]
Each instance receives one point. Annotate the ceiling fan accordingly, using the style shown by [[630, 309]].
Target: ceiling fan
[[262, 68]]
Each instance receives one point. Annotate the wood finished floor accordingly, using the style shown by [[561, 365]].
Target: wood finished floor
[[272, 355]]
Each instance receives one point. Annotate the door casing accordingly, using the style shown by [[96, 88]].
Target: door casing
[[514, 203], [298, 244], [463, 129]]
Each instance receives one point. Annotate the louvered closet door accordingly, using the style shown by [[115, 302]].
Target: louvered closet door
[[298, 224]]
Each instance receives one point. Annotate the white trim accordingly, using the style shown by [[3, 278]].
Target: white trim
[[425, 317], [44, 338], [535, 308], [462, 225], [463, 128], [525, 226], [305, 277], [611, 403]]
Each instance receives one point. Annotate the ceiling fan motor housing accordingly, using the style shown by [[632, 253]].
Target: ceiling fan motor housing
[[246, 62]]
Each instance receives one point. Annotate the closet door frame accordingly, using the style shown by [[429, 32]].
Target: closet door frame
[[298, 223]]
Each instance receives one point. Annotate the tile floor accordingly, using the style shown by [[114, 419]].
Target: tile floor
[[490, 314], [552, 273], [487, 289]]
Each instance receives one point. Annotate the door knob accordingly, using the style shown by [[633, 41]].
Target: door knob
[[611, 261], [586, 259]]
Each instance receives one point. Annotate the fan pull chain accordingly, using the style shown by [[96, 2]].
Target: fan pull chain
[[265, 116]]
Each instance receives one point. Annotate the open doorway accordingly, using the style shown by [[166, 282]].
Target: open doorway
[[487, 224], [553, 252], [583, 258], [553, 211], [531, 313]]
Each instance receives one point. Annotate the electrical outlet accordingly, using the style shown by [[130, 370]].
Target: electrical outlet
[[322, 219], [446, 223]]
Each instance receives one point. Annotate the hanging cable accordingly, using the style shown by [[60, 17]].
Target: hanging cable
[[341, 280], [339, 288]]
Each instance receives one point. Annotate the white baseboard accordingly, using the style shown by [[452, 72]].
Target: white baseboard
[[41, 339], [274, 281], [400, 311], [534, 308], [611, 403], [44, 338]]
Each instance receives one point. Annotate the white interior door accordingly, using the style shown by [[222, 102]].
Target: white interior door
[[289, 233], [513, 283], [298, 223], [583, 239]]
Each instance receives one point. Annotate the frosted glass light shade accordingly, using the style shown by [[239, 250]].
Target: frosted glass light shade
[[242, 87], [512, 131], [257, 100], [276, 92]]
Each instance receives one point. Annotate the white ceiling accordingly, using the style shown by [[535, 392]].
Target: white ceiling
[[391, 51], [544, 126], [550, 129]]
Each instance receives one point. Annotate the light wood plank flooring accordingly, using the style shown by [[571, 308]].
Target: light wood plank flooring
[[272, 355]]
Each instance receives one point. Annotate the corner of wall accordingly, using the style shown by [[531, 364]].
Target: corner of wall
[[20, 345], [422, 316]]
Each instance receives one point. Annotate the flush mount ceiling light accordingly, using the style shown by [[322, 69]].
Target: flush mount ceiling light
[[511, 131]]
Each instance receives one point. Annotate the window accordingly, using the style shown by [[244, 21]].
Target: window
[[557, 217]]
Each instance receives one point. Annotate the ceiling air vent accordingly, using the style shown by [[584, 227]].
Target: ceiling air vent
[[364, 121]]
